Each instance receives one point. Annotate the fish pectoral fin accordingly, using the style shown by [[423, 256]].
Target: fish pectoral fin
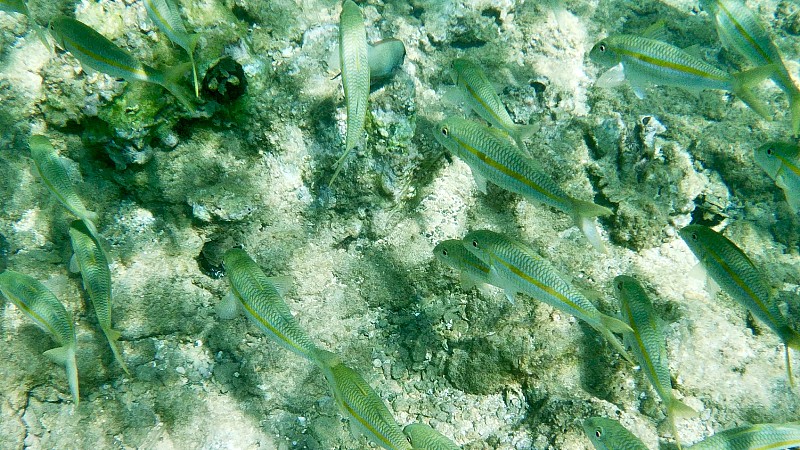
[[510, 295], [74, 267], [467, 282], [283, 284], [480, 182], [58, 355], [228, 307], [612, 77]]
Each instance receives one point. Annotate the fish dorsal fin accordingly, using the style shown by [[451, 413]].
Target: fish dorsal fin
[[228, 307], [657, 31], [283, 284]]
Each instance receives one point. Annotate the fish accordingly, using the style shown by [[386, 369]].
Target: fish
[[608, 434], [733, 271], [167, 18], [96, 52], [360, 404], [91, 261], [765, 436], [471, 269], [422, 436], [781, 161], [354, 62], [52, 171], [42, 306], [384, 58], [647, 345], [644, 61], [260, 298], [516, 268], [17, 6], [480, 96], [493, 158], [740, 30]]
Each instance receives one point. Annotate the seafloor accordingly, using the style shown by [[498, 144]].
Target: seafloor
[[175, 190]]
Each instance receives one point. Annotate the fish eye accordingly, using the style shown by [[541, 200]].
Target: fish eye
[[602, 47], [769, 151], [445, 131], [598, 432], [619, 285], [694, 236], [444, 252], [475, 243]]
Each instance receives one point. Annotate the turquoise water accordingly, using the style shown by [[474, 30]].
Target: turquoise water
[[175, 189]]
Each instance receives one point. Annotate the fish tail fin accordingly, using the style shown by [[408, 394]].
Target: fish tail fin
[[606, 332], [65, 356], [583, 215], [744, 81], [673, 428], [339, 165], [677, 408], [522, 132], [615, 325], [794, 343], [794, 108], [192, 40], [113, 336], [172, 77]]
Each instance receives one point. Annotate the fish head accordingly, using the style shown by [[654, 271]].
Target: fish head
[[695, 238], [448, 252], [603, 53], [233, 258], [595, 431], [770, 155], [478, 242], [458, 67], [623, 284], [444, 134]]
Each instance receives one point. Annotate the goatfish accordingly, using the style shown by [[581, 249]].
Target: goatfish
[[90, 260], [781, 161], [472, 270], [260, 298], [493, 158], [765, 436], [42, 306], [647, 345], [384, 58], [354, 61], [96, 52], [608, 434], [515, 267], [167, 18], [739, 30], [644, 61], [733, 271], [360, 404], [52, 171], [480, 96], [424, 437]]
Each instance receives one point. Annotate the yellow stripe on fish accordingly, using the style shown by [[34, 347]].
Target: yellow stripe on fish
[[765, 436], [166, 16]]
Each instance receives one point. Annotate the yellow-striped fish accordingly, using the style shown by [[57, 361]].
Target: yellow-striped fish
[[495, 159], [608, 434], [260, 298], [166, 16], [515, 268], [42, 306], [96, 52], [360, 404], [647, 62], [472, 270], [90, 260], [781, 161], [739, 30], [354, 61], [647, 344], [480, 96], [733, 271], [424, 437], [765, 436], [51, 170]]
